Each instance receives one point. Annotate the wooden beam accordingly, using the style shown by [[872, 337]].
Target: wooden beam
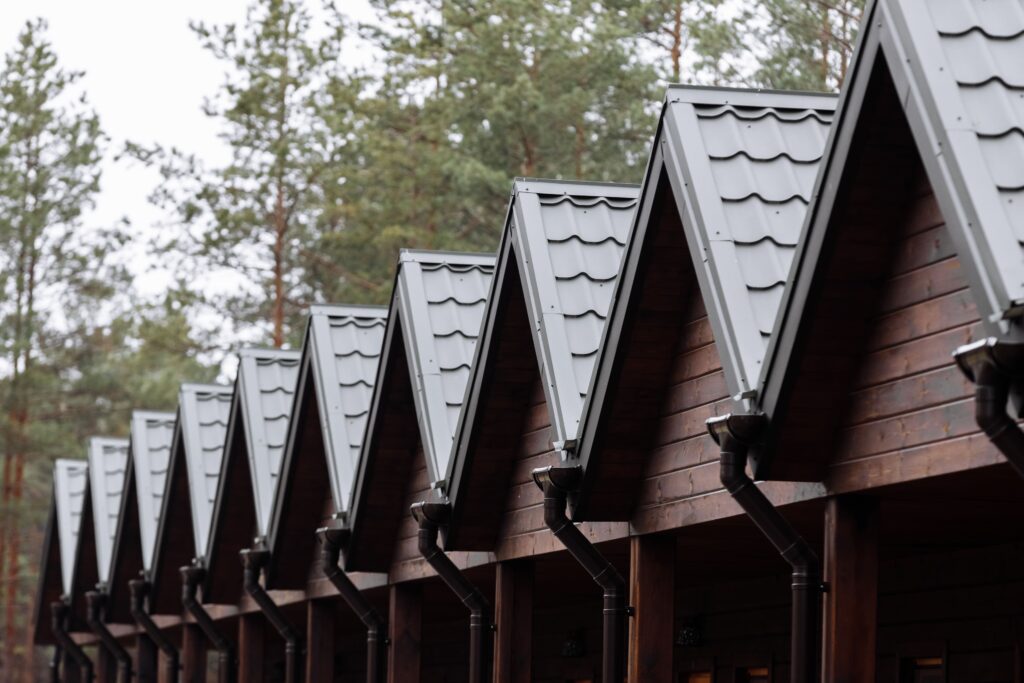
[[405, 621], [193, 654], [513, 615], [652, 561], [319, 641], [850, 622], [106, 665], [145, 659], [251, 647], [70, 672]]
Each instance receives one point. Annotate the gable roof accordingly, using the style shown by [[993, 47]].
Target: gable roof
[[260, 412], [199, 429], [738, 167], [434, 319], [439, 300], [958, 69], [69, 483], [564, 241], [150, 449], [58, 555], [338, 368], [108, 462]]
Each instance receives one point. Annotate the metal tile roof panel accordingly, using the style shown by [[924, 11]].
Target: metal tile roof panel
[[744, 167], [108, 462], [151, 436], [344, 344], [69, 481], [203, 418], [569, 240], [265, 388], [441, 299], [963, 63]]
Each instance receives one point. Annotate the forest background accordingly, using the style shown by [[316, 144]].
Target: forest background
[[332, 167]]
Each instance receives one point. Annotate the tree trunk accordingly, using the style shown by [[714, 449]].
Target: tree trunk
[[677, 42]]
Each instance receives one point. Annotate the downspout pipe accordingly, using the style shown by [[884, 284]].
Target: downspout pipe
[[734, 435], [55, 664], [139, 590], [94, 603], [58, 624], [430, 517], [253, 561], [557, 483], [331, 541], [993, 365], [191, 576]]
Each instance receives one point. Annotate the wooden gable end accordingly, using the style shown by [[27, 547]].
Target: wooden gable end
[[379, 503], [234, 525], [175, 542], [305, 494], [511, 378], [664, 341], [50, 588], [873, 396], [127, 560]]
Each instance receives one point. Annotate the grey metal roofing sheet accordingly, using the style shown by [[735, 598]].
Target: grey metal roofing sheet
[[344, 345], [203, 418], [440, 298], [69, 480], [958, 67], [265, 388], [963, 61], [569, 239], [151, 435], [742, 165], [108, 462]]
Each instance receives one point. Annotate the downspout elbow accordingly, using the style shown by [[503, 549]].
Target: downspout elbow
[[331, 540], [993, 365], [430, 517], [734, 435], [191, 577], [58, 625], [253, 561], [139, 591], [557, 483], [95, 601]]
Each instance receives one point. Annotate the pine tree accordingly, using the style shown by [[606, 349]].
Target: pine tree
[[256, 216], [49, 172]]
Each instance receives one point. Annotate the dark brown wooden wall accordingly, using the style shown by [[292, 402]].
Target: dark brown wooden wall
[[417, 489], [684, 460], [907, 392]]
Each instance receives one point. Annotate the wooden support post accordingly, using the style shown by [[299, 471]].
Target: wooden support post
[[850, 620], [652, 568], [319, 641], [513, 615], [106, 665], [405, 621], [251, 647], [145, 663], [70, 672], [193, 654], [161, 668]]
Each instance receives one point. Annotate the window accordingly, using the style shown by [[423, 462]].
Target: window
[[752, 674], [924, 670], [698, 677]]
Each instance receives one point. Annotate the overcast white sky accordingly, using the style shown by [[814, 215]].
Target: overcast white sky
[[146, 76]]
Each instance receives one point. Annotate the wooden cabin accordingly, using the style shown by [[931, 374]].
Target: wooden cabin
[[755, 419]]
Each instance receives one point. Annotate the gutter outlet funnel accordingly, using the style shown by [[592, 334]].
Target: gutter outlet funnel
[[139, 590], [557, 483], [734, 435], [253, 561], [95, 601], [994, 365], [191, 577], [430, 517], [331, 541], [58, 624]]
